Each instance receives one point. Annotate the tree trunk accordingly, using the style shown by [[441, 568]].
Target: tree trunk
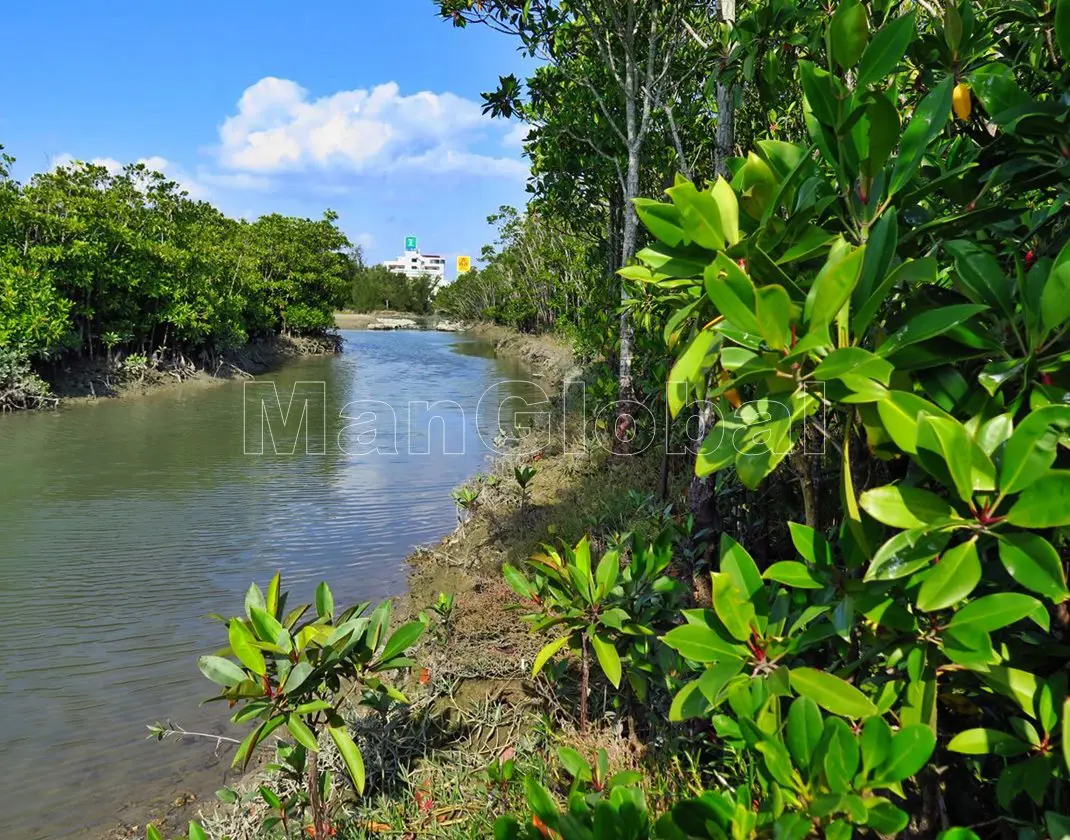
[[725, 133], [585, 679]]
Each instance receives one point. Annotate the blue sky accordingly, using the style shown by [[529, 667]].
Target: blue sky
[[368, 107]]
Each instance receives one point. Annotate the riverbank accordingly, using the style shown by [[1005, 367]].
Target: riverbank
[[86, 381], [391, 320]]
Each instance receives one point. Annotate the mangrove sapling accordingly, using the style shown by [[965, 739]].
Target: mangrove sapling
[[195, 832], [301, 674], [466, 498], [524, 475], [443, 608]]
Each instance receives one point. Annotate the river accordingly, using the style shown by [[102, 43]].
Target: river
[[123, 522]]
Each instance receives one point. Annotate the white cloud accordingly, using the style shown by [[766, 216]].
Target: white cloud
[[516, 135], [279, 128]]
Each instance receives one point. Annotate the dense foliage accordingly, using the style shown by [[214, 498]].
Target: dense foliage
[[374, 287], [99, 264]]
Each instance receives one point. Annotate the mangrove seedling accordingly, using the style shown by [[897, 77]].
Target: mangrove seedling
[[466, 498], [523, 476], [443, 608], [301, 674]]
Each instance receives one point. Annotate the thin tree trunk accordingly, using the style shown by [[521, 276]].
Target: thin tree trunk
[[585, 678], [725, 132]]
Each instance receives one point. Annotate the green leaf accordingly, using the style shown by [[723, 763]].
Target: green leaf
[[728, 290], [803, 731], [952, 579], [221, 671], [833, 287], [548, 650], [1043, 504], [689, 368], [821, 90], [929, 324], [271, 599], [716, 677], [606, 573], [1057, 824], [793, 573], [267, 627], [1055, 298], [350, 755], [540, 802], [883, 136], [908, 752], [899, 412], [574, 763], [774, 314], [987, 742], [302, 734], [831, 693], [1034, 563], [401, 639], [1021, 686], [841, 755], [254, 598], [876, 739], [196, 832], [734, 611], [242, 645], [324, 600], [995, 611], [848, 33], [699, 214], [518, 582], [702, 644], [854, 361], [980, 277], [662, 220], [928, 121], [740, 566], [905, 507], [886, 50], [1062, 27], [906, 553], [608, 658], [1066, 732], [728, 209], [297, 676], [944, 448], [688, 703], [152, 833], [1032, 447]]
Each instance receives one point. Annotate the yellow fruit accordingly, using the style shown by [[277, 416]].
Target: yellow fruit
[[960, 101]]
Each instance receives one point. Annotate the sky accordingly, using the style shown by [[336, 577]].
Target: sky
[[368, 107]]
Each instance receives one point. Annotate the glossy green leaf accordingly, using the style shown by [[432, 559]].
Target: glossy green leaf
[[899, 412], [848, 33], [908, 752], [302, 734], [1043, 504], [831, 693], [1034, 563], [929, 324], [688, 369], [803, 731], [833, 287], [324, 601], [1055, 298], [518, 582], [267, 627], [944, 448], [905, 507], [1033, 446], [350, 755], [702, 644], [221, 671], [987, 742], [875, 741], [548, 650], [905, 553], [401, 639], [925, 125], [699, 214], [995, 611], [242, 645], [842, 755], [886, 50], [196, 832], [774, 315], [608, 658], [662, 220], [732, 607], [979, 276], [952, 579], [733, 300], [793, 573]]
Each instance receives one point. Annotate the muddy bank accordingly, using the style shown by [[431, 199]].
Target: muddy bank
[[85, 381], [389, 320]]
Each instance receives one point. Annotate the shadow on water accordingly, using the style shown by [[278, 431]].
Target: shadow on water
[[123, 522]]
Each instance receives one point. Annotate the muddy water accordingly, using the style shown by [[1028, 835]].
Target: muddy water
[[123, 522]]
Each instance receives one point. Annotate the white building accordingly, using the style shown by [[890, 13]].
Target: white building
[[415, 264]]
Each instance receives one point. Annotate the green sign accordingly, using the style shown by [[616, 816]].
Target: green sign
[[410, 243]]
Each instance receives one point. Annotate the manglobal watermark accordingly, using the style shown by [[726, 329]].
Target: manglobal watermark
[[514, 416]]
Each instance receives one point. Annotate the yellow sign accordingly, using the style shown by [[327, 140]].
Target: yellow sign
[[464, 265]]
